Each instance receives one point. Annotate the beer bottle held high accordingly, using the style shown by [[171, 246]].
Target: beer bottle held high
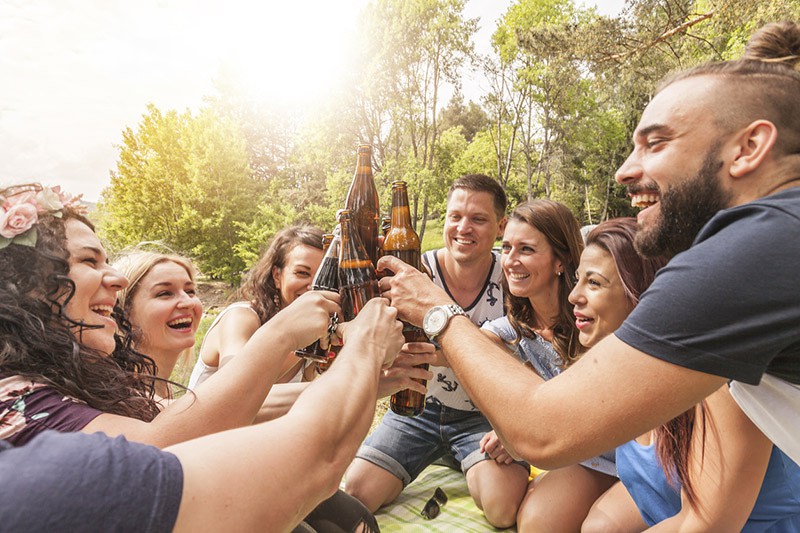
[[402, 241], [362, 200], [325, 279], [358, 282]]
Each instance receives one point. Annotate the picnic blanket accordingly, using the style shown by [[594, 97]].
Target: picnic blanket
[[459, 513]]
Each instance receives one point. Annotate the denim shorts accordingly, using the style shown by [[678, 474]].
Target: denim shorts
[[405, 446]]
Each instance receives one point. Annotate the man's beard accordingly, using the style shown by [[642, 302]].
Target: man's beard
[[684, 210]]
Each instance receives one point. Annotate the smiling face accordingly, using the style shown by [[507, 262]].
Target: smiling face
[[601, 304], [528, 261], [296, 276], [471, 225], [673, 172], [96, 287], [165, 310]]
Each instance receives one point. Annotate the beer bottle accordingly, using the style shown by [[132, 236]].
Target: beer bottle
[[362, 200], [403, 242], [325, 279], [357, 280]]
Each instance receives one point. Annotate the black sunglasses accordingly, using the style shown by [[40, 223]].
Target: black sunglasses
[[433, 506]]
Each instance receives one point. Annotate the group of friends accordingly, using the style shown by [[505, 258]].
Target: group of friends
[[652, 368]]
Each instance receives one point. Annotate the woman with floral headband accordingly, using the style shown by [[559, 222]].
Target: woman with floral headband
[[63, 364]]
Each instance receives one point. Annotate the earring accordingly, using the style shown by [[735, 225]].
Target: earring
[[276, 299], [559, 272]]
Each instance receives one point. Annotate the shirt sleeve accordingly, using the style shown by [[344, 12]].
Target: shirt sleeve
[[79, 482], [729, 305]]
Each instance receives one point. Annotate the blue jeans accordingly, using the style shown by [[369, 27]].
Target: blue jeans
[[405, 446]]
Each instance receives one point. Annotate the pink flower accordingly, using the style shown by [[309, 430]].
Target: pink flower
[[17, 218]]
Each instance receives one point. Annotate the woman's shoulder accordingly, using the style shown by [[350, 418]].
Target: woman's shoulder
[[28, 407]]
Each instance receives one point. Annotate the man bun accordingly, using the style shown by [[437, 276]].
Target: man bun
[[777, 42]]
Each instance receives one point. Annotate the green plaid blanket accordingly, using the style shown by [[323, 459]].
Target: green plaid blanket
[[459, 513]]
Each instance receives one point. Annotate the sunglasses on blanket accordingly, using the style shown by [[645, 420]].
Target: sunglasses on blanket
[[433, 506]]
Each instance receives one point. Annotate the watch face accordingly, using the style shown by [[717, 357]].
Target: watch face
[[436, 321]]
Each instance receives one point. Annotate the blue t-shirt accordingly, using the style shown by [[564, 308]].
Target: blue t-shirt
[[77, 482], [730, 304], [777, 507]]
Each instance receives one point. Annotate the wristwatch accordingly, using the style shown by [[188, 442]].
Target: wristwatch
[[437, 318]]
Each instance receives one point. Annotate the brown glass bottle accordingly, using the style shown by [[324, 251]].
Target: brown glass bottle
[[403, 242], [357, 280], [325, 279], [362, 200]]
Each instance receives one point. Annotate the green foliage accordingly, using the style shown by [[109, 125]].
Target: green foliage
[[567, 87], [183, 180]]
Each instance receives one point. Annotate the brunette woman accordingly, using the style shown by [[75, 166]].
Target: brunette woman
[[284, 272], [708, 469], [541, 249]]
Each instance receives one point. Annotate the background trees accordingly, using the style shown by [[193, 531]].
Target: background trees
[[565, 90]]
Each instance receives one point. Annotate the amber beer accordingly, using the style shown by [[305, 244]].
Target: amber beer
[[362, 200], [403, 242], [357, 280], [325, 279]]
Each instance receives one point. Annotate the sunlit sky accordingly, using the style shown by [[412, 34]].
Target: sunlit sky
[[75, 73]]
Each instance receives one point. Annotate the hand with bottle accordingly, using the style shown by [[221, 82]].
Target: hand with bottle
[[307, 318], [375, 330], [407, 369], [411, 292]]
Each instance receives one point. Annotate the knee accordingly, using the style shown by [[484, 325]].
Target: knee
[[501, 514], [355, 485], [370, 484], [531, 517], [600, 523]]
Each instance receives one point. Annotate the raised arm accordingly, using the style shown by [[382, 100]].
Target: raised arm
[[233, 395], [728, 463], [611, 395], [275, 473]]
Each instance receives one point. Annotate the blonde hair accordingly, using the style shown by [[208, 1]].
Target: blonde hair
[[135, 263]]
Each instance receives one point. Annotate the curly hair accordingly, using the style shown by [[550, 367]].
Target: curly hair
[[563, 232], [40, 342], [259, 285]]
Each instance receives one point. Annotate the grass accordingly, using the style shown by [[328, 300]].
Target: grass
[[433, 238]]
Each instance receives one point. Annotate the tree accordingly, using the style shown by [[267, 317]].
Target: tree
[[183, 180]]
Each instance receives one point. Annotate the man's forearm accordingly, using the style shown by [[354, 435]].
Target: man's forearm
[[610, 396]]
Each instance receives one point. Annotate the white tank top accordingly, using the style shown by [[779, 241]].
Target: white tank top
[[201, 370], [487, 306]]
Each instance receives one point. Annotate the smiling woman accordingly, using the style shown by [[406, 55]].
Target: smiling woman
[[163, 308]]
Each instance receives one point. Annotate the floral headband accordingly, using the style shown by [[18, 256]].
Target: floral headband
[[21, 208]]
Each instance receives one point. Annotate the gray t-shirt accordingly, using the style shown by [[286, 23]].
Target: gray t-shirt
[[77, 482]]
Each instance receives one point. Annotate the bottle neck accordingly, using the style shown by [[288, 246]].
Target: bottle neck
[[401, 213]]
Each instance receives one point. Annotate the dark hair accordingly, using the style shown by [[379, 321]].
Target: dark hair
[[259, 286], [636, 272], [763, 84], [39, 341], [616, 236], [563, 232], [482, 183]]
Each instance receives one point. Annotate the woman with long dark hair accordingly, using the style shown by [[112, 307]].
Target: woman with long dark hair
[[65, 364], [284, 272], [710, 467], [541, 248]]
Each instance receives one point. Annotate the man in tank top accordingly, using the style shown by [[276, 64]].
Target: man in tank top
[[450, 427]]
